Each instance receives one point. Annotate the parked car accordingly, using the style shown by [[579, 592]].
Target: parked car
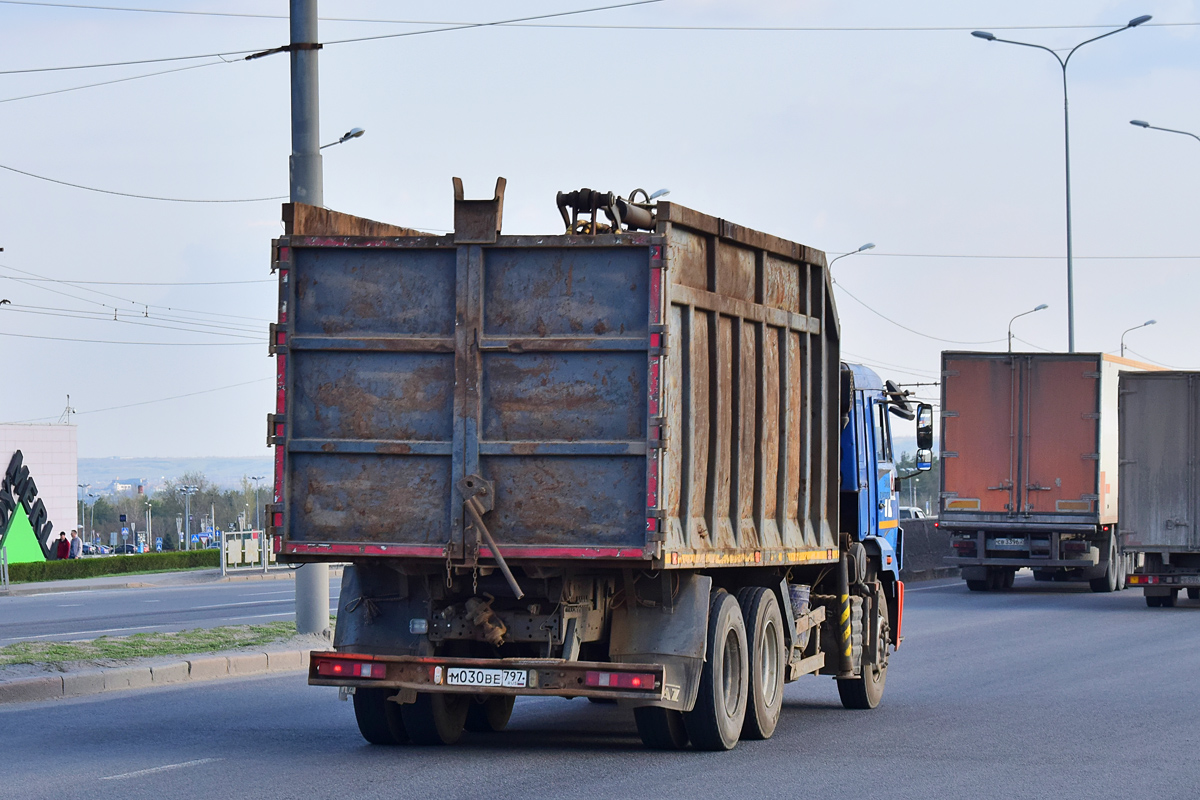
[[125, 549], [912, 512]]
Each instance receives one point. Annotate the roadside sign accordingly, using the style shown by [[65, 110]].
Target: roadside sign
[[124, 531], [195, 537], [158, 544]]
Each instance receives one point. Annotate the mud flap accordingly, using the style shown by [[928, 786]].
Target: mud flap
[[374, 611], [673, 634]]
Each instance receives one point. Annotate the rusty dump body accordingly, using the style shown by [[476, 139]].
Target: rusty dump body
[[1029, 459], [663, 399]]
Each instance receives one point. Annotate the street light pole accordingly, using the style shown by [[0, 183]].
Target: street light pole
[[867, 246], [1141, 123], [1014, 319], [312, 580], [257, 507], [1062, 62], [1134, 328]]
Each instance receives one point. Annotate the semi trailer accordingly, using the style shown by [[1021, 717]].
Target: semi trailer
[[1029, 467], [623, 462], [1160, 501]]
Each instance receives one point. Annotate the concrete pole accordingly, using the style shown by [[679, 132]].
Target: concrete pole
[[312, 580]]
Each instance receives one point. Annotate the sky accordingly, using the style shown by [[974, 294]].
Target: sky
[[944, 150]]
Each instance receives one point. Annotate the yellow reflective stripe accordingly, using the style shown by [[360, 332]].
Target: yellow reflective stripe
[[890, 523]]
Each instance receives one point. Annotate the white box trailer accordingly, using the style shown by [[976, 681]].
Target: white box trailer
[[1160, 500]]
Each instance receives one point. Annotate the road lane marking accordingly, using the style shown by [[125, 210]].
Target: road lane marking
[[70, 605], [930, 588], [154, 770], [152, 601]]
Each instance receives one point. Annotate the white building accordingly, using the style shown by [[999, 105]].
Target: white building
[[52, 454]]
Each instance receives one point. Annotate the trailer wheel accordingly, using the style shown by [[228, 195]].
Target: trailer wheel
[[661, 728], [715, 722], [1154, 600], [1043, 575], [1010, 577], [378, 718], [1109, 581], [865, 691], [979, 585], [764, 632], [1169, 600], [491, 715], [1193, 594], [436, 718]]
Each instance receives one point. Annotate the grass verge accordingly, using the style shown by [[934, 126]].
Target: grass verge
[[113, 565], [147, 645]]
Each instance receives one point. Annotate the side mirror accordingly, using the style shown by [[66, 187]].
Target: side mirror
[[924, 460], [924, 427]]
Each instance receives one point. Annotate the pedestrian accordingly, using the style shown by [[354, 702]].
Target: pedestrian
[[76, 545], [63, 549]]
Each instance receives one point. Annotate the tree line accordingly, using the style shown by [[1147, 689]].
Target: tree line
[[165, 509]]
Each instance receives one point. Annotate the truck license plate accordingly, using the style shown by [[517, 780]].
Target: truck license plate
[[470, 676], [1008, 541]]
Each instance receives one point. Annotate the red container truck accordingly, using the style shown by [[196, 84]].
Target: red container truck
[[1029, 467]]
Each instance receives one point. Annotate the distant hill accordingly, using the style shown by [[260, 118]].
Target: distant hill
[[224, 472]]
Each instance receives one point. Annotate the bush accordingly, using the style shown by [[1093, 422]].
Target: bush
[[112, 565]]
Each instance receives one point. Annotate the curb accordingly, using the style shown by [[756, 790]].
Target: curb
[[195, 670]]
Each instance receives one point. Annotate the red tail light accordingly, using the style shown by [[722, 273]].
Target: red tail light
[[621, 680], [344, 668]]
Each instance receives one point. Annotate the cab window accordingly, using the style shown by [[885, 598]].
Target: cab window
[[883, 439]]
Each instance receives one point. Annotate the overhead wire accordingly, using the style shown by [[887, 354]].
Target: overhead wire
[[16, 308], [175, 309], [1015, 257], [914, 331], [146, 344], [108, 83], [141, 196], [752, 28], [147, 402]]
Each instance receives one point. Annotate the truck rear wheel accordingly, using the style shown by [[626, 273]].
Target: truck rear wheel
[[491, 715], [1112, 580], [865, 691], [1154, 600], [715, 722], [1193, 594], [764, 632], [661, 728], [436, 718], [378, 718]]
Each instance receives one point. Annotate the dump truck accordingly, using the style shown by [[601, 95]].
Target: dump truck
[[1029, 467], [1160, 499], [621, 462]]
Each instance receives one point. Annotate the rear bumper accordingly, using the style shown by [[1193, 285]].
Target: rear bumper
[[548, 677], [1166, 580]]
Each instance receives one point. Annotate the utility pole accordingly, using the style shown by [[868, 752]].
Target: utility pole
[[312, 580]]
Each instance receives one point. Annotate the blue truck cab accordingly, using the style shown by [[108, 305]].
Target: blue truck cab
[[870, 481]]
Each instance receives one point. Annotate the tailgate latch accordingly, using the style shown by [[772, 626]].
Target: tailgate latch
[[479, 497]]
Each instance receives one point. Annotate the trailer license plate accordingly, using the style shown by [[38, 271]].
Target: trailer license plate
[[469, 676], [1008, 542]]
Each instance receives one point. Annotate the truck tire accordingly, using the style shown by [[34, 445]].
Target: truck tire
[[979, 585], [1111, 580], [378, 718], [491, 715], [715, 723], [436, 718], [1193, 593], [1169, 600], [865, 691], [1154, 600], [1043, 575], [1010, 577], [766, 657], [661, 728], [995, 578]]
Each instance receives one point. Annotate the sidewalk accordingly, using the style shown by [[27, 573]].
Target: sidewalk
[[154, 580]]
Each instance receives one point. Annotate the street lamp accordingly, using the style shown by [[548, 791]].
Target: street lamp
[[92, 527], [187, 492], [1062, 62], [83, 504], [257, 507], [1141, 123], [1042, 307], [867, 246], [353, 133], [1134, 328]]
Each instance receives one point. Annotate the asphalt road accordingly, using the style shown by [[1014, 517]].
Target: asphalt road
[[119, 612], [1045, 691]]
